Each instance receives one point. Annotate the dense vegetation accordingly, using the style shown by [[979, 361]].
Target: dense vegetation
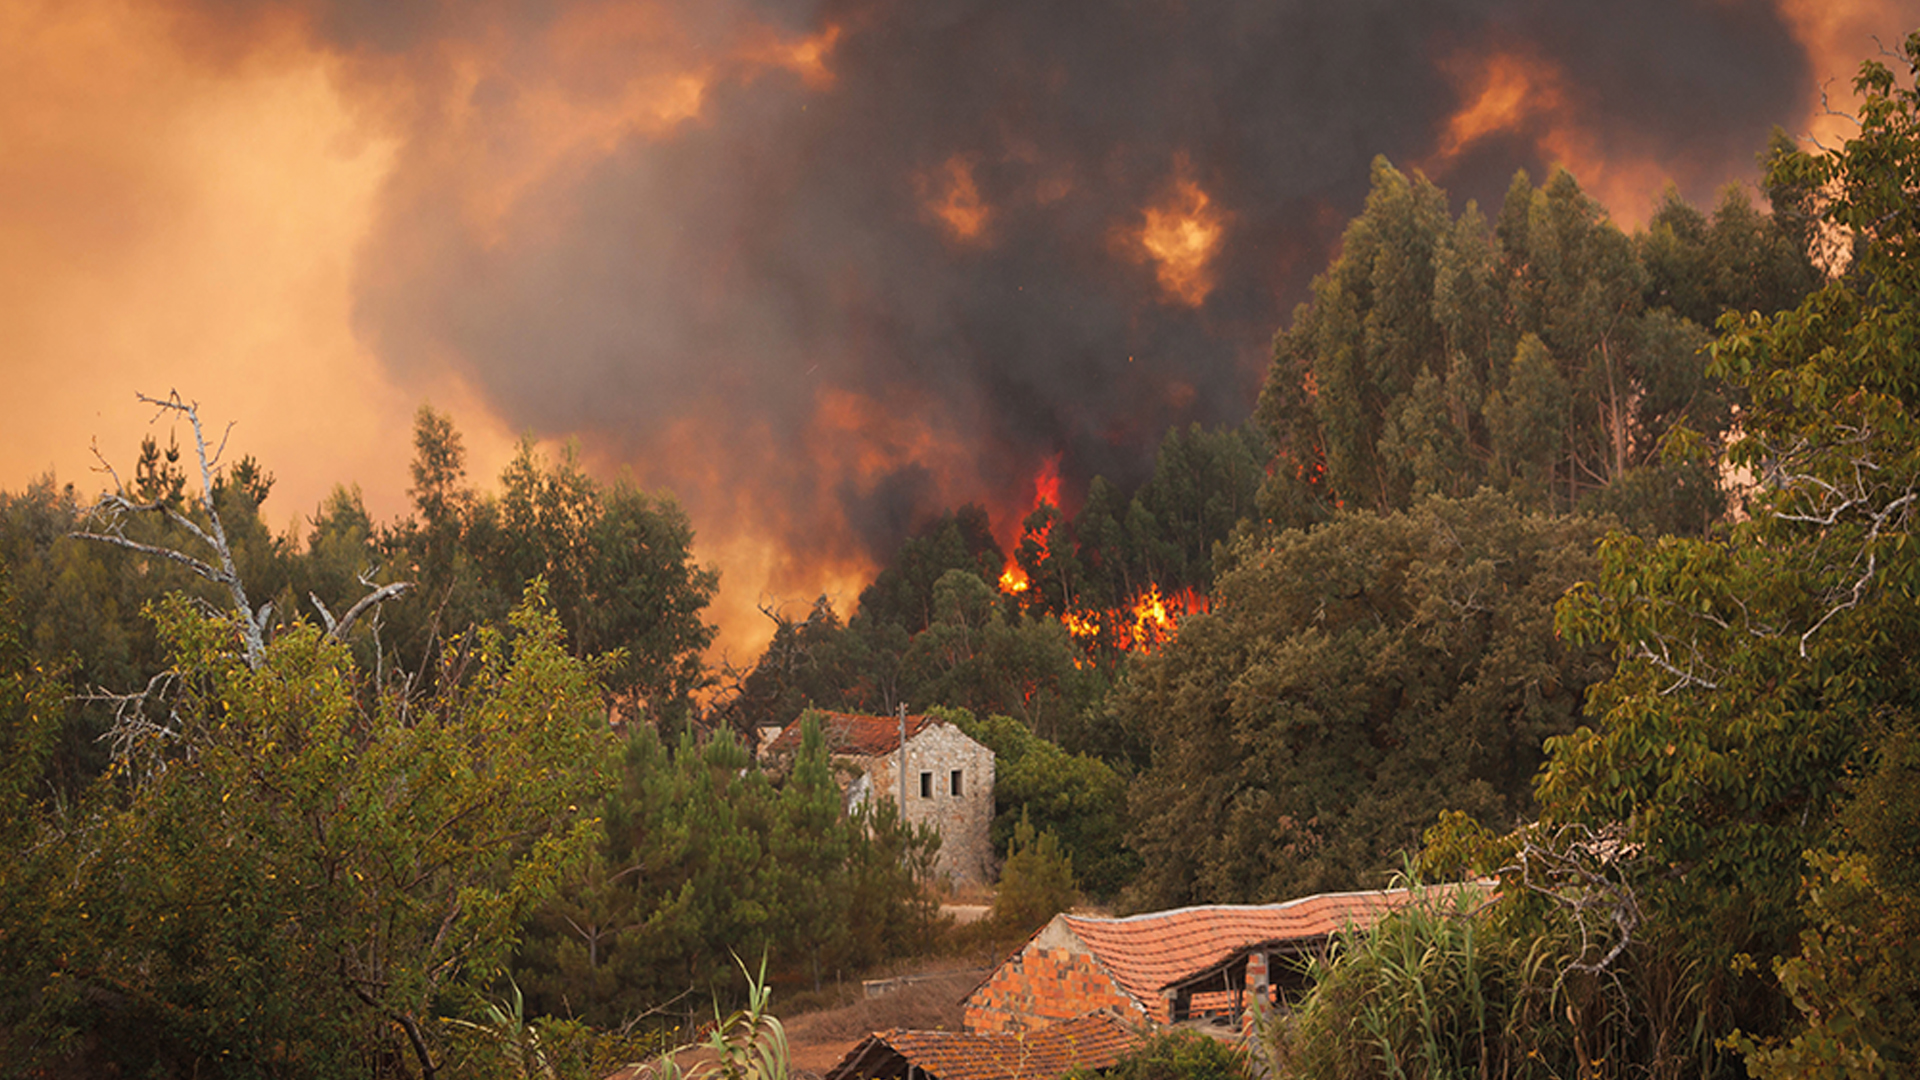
[[1719, 878], [1553, 552], [285, 841]]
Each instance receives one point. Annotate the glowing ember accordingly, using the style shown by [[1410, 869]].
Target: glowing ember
[[1181, 236]]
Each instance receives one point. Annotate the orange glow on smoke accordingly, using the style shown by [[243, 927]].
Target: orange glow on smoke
[[1513, 92], [866, 438], [805, 57], [951, 198], [1505, 92], [1180, 236], [602, 75], [1836, 38]]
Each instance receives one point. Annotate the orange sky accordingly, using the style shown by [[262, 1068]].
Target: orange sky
[[171, 226], [185, 213]]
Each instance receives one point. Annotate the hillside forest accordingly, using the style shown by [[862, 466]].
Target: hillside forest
[[1550, 552]]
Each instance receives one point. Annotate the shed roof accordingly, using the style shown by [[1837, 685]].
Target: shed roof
[[1148, 953], [1094, 1041], [853, 733]]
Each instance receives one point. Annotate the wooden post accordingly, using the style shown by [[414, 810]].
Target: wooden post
[[903, 763]]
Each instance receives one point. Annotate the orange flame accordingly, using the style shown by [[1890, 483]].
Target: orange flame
[[1144, 625], [1046, 483], [1046, 490], [1180, 237], [1081, 624]]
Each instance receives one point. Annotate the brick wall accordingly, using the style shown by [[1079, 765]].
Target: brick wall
[[1048, 981]]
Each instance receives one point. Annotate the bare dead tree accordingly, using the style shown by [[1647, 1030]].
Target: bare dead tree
[[138, 733], [117, 506], [1587, 873]]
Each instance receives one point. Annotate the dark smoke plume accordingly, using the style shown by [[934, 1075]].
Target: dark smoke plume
[[756, 305]]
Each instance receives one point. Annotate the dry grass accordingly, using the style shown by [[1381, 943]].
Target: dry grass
[[821, 1038]]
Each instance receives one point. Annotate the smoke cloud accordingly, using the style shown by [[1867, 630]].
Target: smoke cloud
[[824, 269]]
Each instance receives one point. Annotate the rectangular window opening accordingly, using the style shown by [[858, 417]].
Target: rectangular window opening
[[954, 783], [926, 785]]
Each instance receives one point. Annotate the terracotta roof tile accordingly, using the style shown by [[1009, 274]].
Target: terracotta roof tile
[[852, 733], [1095, 1041], [1147, 953]]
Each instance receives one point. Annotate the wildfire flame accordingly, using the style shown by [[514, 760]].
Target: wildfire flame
[[1180, 236], [1013, 580], [1046, 483], [1146, 622], [1144, 625], [1154, 618]]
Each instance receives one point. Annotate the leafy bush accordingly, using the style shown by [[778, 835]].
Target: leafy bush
[[287, 874], [1077, 797], [1177, 1054]]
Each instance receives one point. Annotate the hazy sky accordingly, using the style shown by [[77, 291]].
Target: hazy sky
[[821, 268]]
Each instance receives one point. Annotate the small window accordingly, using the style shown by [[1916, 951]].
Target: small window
[[926, 785], [953, 782]]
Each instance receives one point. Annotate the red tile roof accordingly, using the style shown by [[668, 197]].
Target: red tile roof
[[851, 733], [1095, 1041], [1147, 953]]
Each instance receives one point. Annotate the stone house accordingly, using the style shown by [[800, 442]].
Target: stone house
[[949, 780], [1167, 967]]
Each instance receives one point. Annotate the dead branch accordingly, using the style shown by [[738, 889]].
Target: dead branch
[[114, 508], [1585, 872], [134, 733], [337, 630]]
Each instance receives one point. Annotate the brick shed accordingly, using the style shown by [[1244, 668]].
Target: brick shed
[[1165, 966], [1087, 1042], [949, 780]]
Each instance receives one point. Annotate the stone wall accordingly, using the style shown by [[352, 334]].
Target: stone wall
[[934, 756], [1053, 979]]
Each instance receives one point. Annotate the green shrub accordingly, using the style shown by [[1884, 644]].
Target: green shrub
[[1035, 884], [1177, 1054]]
